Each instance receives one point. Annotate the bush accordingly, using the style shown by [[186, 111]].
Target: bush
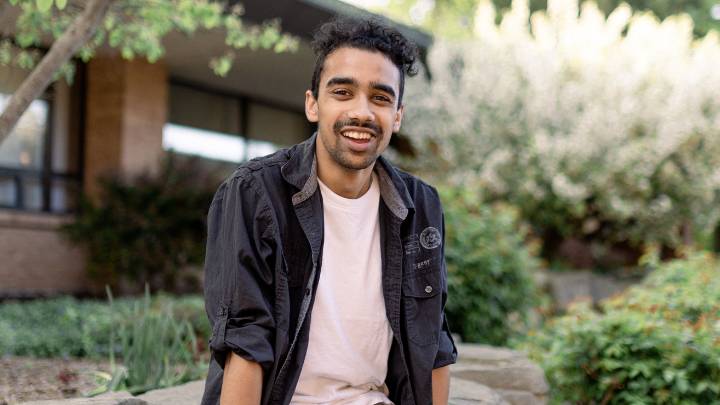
[[489, 268], [147, 229], [62, 327], [658, 343], [600, 129]]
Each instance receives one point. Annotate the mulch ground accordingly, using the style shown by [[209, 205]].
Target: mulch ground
[[29, 379]]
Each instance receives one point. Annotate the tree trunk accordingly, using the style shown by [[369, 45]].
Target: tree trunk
[[81, 30]]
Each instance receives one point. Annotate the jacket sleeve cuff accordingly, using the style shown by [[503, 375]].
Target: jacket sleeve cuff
[[447, 352], [251, 342]]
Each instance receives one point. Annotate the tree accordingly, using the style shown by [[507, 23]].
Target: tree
[[134, 27]]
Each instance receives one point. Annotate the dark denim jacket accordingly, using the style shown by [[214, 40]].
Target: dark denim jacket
[[263, 260]]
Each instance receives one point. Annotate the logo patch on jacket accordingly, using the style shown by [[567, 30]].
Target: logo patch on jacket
[[430, 238]]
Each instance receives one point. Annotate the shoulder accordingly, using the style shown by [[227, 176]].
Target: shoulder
[[423, 194], [243, 181]]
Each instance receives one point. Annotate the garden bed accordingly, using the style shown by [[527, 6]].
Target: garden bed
[[27, 379]]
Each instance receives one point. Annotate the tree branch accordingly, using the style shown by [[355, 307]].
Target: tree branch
[[81, 30]]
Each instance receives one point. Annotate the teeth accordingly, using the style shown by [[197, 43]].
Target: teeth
[[357, 135]]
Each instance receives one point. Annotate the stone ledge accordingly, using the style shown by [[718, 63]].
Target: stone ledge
[[509, 373], [111, 398], [484, 375]]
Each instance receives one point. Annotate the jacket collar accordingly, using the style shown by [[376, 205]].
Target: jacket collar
[[301, 171]]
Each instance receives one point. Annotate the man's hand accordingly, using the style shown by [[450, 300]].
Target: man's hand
[[440, 385], [242, 382]]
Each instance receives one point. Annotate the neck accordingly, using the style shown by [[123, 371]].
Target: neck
[[347, 183]]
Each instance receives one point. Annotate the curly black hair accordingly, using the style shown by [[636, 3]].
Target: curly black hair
[[368, 34]]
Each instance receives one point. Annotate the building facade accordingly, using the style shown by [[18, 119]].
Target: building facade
[[120, 117]]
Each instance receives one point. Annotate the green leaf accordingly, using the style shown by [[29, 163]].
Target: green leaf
[[5, 53], [221, 65], [44, 5], [61, 4]]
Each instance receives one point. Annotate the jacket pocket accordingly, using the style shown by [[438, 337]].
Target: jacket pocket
[[423, 307]]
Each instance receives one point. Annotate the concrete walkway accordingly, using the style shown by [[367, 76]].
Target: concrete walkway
[[484, 375]]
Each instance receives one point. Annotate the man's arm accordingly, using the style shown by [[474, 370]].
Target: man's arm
[[242, 382], [238, 294], [440, 385]]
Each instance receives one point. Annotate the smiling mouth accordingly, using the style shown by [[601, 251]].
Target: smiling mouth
[[357, 135]]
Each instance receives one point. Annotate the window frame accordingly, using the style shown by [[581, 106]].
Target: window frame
[[46, 175], [243, 101]]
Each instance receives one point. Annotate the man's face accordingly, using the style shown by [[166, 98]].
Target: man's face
[[356, 109]]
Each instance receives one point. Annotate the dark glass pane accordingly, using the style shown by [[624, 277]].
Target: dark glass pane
[[32, 194], [24, 147], [281, 127], [204, 110], [64, 195], [8, 191]]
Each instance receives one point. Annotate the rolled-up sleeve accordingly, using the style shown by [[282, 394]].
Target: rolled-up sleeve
[[447, 352], [239, 275]]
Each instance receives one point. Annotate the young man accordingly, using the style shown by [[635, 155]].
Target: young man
[[325, 276]]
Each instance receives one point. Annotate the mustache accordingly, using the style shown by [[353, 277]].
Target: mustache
[[339, 125]]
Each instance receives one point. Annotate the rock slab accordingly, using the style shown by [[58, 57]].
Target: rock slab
[[484, 375]]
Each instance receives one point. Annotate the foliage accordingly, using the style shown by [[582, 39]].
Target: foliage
[[62, 327], [158, 350], [55, 328], [136, 29], [455, 18], [658, 343], [146, 229], [602, 129], [490, 287]]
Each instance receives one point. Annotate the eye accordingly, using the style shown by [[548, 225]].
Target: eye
[[382, 99], [341, 92]]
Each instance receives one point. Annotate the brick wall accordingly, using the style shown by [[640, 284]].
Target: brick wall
[[36, 259], [126, 111]]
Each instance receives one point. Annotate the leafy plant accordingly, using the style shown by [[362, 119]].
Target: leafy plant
[[489, 268], [157, 350], [658, 343], [67, 327], [145, 229]]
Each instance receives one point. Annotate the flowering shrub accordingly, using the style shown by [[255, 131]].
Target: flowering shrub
[[658, 343], [606, 129]]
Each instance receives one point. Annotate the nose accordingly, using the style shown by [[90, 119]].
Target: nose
[[361, 111]]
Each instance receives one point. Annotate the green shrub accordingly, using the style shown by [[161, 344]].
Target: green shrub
[[62, 327], [489, 268], [658, 343], [146, 229]]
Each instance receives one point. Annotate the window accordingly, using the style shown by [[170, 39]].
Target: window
[[39, 160], [228, 128]]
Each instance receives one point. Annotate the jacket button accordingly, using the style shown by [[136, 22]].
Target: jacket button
[[428, 289]]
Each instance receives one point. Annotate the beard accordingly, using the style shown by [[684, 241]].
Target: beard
[[347, 158]]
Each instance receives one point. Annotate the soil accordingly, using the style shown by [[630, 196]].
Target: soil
[[30, 379]]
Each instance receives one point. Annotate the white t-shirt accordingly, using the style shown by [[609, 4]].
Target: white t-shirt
[[350, 336]]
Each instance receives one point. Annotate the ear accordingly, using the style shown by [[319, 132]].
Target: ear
[[311, 107], [398, 118]]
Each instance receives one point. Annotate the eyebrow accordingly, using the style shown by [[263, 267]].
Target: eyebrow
[[337, 81], [383, 87]]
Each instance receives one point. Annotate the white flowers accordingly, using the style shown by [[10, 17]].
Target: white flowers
[[621, 114]]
